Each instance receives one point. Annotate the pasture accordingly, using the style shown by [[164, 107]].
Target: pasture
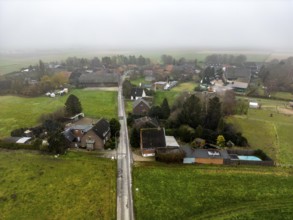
[[271, 134], [170, 95], [17, 112], [139, 80], [185, 87], [14, 62], [74, 186], [166, 191]]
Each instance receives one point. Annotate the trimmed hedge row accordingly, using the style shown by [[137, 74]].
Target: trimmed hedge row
[[15, 146]]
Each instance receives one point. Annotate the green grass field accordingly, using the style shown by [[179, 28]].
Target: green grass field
[[74, 186], [14, 62], [138, 81], [212, 192], [271, 134], [174, 93], [283, 95], [128, 106], [170, 95], [17, 112], [184, 87]]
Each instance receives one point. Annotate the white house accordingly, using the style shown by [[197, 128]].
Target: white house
[[137, 93]]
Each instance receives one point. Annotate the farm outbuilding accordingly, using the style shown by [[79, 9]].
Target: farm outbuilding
[[254, 105], [151, 139], [206, 156]]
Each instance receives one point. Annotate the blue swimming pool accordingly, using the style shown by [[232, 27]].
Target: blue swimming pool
[[251, 158]]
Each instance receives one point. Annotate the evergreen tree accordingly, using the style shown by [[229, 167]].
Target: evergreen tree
[[72, 105], [165, 109], [229, 103], [134, 138], [52, 126], [213, 114], [221, 125], [198, 131], [186, 133], [155, 112], [127, 86], [114, 126], [42, 69], [191, 112], [57, 143]]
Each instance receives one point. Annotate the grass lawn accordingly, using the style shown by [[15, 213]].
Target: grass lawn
[[285, 143], [17, 112], [185, 87], [128, 106], [260, 134], [137, 81], [283, 95], [75, 186], [170, 95], [212, 192], [271, 134]]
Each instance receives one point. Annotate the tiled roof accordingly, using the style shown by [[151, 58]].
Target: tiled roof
[[153, 137], [138, 101], [146, 121], [136, 92], [102, 128], [99, 78]]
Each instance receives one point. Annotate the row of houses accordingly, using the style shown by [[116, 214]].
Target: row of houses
[[94, 79]]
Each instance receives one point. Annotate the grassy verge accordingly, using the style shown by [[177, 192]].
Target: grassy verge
[[128, 106], [75, 186], [16, 112], [212, 192]]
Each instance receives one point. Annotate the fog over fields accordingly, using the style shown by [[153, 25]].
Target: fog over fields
[[135, 25]]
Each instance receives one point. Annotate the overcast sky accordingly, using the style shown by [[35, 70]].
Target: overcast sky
[[141, 24]]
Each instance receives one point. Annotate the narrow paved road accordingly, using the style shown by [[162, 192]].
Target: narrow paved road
[[124, 162]]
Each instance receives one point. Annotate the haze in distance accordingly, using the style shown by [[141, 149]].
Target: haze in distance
[[154, 24]]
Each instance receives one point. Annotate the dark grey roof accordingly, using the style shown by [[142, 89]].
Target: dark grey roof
[[138, 101], [235, 73], [69, 135], [12, 139], [146, 122], [241, 85], [102, 128], [99, 78], [83, 128], [136, 92], [205, 153], [153, 137]]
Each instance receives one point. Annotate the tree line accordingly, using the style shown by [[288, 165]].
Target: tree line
[[72, 63], [278, 75], [192, 117], [226, 59]]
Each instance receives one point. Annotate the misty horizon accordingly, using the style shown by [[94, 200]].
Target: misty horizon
[[146, 25]]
